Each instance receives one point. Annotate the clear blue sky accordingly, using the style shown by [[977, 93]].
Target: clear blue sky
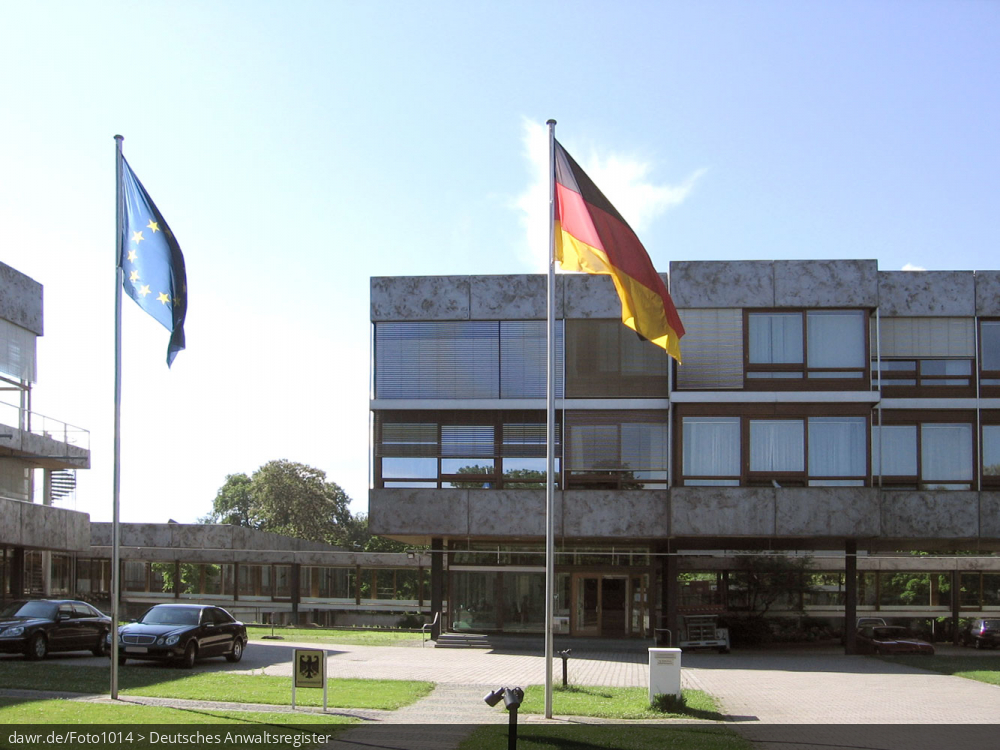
[[297, 149]]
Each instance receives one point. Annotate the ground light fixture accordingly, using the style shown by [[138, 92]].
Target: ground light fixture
[[564, 655], [511, 698]]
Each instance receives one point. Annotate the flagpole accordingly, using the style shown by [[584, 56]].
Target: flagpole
[[550, 430], [115, 550]]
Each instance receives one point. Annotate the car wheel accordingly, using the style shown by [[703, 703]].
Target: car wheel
[[877, 651], [978, 643], [101, 649], [38, 647], [237, 653], [122, 661], [190, 655]]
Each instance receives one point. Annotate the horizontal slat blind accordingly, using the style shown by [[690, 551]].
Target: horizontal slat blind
[[926, 337], [711, 349], [17, 352], [423, 359], [523, 358]]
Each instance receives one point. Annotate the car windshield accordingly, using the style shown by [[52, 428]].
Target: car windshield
[[991, 624], [29, 609], [170, 616]]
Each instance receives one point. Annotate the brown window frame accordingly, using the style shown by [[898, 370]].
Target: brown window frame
[[917, 482]]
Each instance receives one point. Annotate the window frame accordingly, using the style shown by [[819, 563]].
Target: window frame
[[918, 482], [803, 381]]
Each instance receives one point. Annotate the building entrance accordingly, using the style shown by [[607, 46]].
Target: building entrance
[[601, 606]]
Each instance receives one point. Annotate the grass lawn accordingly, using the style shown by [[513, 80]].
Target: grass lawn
[[610, 736], [217, 686], [346, 637], [21, 711], [614, 703], [981, 668]]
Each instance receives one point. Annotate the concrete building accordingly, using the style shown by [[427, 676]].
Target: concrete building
[[825, 410], [39, 457]]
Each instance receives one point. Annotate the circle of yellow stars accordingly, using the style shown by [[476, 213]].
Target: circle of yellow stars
[[133, 254]]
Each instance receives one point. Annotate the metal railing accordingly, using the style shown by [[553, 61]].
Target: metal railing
[[43, 426]]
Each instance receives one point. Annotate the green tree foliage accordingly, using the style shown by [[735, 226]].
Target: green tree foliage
[[285, 497], [767, 579]]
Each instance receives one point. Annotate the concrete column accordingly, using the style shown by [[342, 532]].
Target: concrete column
[[850, 596], [17, 573], [956, 604], [437, 585], [296, 572], [669, 597]]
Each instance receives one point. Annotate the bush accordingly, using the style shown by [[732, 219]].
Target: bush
[[669, 703], [410, 622], [747, 631]]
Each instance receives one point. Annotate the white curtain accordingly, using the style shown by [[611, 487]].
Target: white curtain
[[836, 338], [837, 446], [946, 452], [775, 338], [711, 446], [894, 450], [777, 445]]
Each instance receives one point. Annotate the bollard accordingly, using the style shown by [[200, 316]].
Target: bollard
[[565, 656]]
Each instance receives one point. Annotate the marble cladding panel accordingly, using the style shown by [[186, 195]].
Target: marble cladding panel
[[20, 300], [144, 534], [520, 297], [926, 293], [590, 296], [825, 283], [989, 515], [420, 298], [11, 531], [827, 511], [506, 513], [722, 511], [988, 293], [615, 514], [53, 448], [930, 515], [198, 536], [419, 511], [742, 283]]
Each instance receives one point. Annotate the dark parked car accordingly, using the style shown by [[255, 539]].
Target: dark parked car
[[891, 639], [182, 633], [982, 634], [37, 626]]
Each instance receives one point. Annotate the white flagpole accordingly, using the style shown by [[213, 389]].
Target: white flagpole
[[550, 430], [115, 550]]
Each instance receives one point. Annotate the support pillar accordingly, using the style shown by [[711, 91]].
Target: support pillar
[[296, 594], [669, 598], [17, 573], [956, 604], [437, 586], [850, 596]]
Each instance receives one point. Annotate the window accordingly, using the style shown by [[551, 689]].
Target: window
[[989, 356], [924, 356], [821, 346], [616, 450], [991, 452], [463, 359], [926, 455], [461, 449], [814, 451], [606, 359]]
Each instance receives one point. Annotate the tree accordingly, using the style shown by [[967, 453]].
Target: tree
[[767, 579], [286, 498]]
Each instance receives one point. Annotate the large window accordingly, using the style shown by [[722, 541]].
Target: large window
[[605, 359], [461, 449], [815, 451], [991, 450], [989, 356], [463, 359], [923, 455], [824, 348], [616, 450], [924, 356]]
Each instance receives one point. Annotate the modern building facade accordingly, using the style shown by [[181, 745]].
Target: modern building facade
[[39, 457], [824, 410]]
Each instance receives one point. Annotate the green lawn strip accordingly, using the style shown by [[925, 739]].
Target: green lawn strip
[[610, 736], [162, 681], [54, 711], [345, 637], [615, 703], [981, 668]]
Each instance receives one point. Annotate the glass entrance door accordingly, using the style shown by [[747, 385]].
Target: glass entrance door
[[586, 605]]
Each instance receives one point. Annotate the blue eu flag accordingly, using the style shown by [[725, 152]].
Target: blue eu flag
[[152, 262]]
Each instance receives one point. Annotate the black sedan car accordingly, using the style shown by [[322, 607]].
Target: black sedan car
[[891, 640], [182, 633], [36, 627]]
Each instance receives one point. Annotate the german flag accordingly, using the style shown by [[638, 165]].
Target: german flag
[[591, 236]]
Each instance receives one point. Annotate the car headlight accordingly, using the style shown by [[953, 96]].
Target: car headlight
[[169, 640], [13, 632]]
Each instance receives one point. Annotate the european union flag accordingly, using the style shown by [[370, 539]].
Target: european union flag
[[152, 262]]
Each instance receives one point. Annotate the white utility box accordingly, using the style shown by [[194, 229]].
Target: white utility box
[[664, 672]]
